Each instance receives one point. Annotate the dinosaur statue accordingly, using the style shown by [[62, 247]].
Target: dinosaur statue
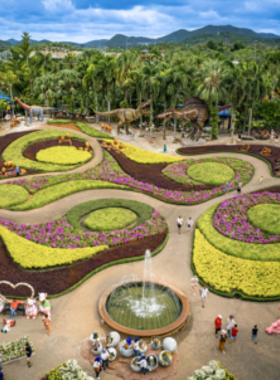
[[194, 110], [33, 110], [127, 115]]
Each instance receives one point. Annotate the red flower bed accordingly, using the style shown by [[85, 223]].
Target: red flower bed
[[58, 280]]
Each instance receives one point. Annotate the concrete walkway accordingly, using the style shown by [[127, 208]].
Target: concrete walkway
[[75, 315]]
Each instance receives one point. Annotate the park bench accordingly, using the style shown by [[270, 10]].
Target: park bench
[[20, 308], [266, 151]]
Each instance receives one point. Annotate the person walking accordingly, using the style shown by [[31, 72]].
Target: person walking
[[1, 362], [135, 345], [239, 187], [234, 332], [189, 224], [227, 187], [2, 377], [97, 366], [28, 352], [204, 292], [180, 222], [230, 324], [218, 324], [47, 323], [143, 364], [14, 306], [255, 334], [261, 179], [194, 283], [222, 341], [105, 358]]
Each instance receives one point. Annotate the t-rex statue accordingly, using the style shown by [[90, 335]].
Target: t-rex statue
[[33, 110], [127, 115], [194, 110]]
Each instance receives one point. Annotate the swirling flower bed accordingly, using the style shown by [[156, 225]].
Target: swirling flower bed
[[179, 171], [108, 170], [231, 218]]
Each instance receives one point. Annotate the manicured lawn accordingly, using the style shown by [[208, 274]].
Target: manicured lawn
[[211, 174], [11, 195], [53, 193], [92, 131], [111, 218], [14, 151], [262, 252], [266, 217], [63, 155]]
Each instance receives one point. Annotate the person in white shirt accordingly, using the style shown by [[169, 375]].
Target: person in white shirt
[[194, 282], [180, 222], [135, 346], [204, 293], [189, 224], [105, 356], [230, 323], [143, 364]]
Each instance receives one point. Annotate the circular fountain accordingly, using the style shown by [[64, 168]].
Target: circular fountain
[[144, 308]]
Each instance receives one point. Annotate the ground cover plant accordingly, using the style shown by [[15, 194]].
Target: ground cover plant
[[230, 275], [212, 371], [210, 173], [110, 218], [14, 151], [63, 155], [251, 218], [68, 371], [11, 195], [85, 128]]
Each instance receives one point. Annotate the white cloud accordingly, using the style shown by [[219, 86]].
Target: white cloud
[[210, 14], [58, 5], [252, 5]]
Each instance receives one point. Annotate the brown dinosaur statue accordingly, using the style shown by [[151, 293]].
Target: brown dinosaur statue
[[127, 115], [194, 110], [33, 110]]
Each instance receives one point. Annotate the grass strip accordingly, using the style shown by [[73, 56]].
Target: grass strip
[[261, 252], [11, 195], [85, 128], [56, 192]]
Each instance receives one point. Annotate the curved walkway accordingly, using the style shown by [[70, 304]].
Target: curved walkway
[[75, 315]]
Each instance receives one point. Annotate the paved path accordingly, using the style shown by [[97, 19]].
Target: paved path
[[75, 315]]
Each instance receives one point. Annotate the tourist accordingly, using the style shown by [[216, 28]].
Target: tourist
[[136, 346], [180, 222], [218, 324], [230, 324], [189, 224], [0, 362], [272, 135], [234, 332], [97, 366], [14, 306], [2, 377], [255, 334], [47, 323], [227, 187], [128, 343], [222, 341], [261, 178], [194, 282], [143, 363], [28, 352], [105, 358], [239, 187], [239, 137], [17, 169], [204, 293]]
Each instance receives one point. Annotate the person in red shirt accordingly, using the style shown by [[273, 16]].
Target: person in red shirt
[[13, 307], [234, 332], [218, 324]]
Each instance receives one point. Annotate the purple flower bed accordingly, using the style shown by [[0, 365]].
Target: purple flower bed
[[231, 219], [60, 234], [109, 170]]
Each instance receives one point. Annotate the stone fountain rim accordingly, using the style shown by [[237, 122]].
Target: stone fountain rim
[[164, 331]]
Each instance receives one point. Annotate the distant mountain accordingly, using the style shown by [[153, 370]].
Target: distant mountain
[[16, 42], [96, 43], [269, 35]]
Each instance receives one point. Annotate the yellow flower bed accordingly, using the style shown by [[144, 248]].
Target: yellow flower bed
[[31, 255], [227, 273], [143, 156], [64, 155]]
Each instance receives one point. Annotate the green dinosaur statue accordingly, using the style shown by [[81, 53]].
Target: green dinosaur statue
[[127, 115]]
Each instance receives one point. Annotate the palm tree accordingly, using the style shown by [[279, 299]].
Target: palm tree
[[150, 83], [7, 80], [91, 78], [274, 59], [136, 76]]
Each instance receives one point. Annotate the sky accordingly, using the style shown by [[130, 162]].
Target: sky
[[86, 20]]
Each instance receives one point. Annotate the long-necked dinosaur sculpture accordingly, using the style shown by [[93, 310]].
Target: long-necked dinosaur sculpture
[[33, 110], [127, 115], [194, 110]]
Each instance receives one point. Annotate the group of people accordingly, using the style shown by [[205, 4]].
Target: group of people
[[101, 362], [134, 344], [180, 223], [204, 292]]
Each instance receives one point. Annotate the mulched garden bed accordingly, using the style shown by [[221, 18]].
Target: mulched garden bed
[[7, 140], [31, 151], [69, 125], [58, 280], [254, 149], [152, 174]]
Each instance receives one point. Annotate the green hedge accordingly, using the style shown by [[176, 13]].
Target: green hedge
[[144, 211], [85, 128], [14, 151], [11, 195], [56, 192], [260, 252], [60, 121]]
